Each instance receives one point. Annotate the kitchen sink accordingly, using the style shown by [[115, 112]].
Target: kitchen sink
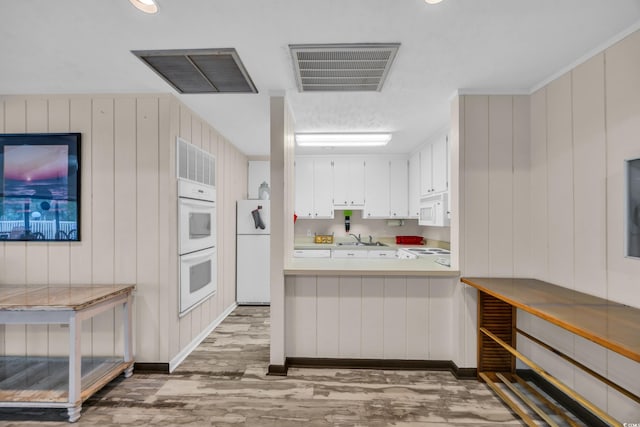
[[361, 244]]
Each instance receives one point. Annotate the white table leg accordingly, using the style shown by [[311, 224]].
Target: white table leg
[[128, 335], [74, 413], [75, 367]]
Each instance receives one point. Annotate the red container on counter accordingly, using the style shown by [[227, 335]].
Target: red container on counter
[[409, 240]]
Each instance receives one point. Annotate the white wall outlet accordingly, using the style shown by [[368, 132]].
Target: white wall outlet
[[309, 233]]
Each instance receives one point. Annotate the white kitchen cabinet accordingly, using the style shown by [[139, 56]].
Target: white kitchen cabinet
[[304, 188], [355, 253], [313, 188], [440, 164], [434, 166], [382, 253], [426, 170], [414, 186], [312, 253], [399, 188], [376, 188], [348, 183], [322, 188]]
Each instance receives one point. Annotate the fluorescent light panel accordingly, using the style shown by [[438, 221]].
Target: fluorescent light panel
[[342, 139]]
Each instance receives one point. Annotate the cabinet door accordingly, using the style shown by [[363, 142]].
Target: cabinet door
[[348, 183], [440, 162], [340, 180], [356, 182], [342, 253], [426, 182], [322, 188], [414, 186], [376, 184], [304, 188], [399, 188]]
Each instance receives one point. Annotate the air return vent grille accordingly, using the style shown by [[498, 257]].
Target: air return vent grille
[[200, 70], [342, 67]]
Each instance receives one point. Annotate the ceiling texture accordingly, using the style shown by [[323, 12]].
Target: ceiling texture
[[464, 46]]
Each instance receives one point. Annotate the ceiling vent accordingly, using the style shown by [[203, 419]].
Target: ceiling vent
[[342, 67], [200, 70]]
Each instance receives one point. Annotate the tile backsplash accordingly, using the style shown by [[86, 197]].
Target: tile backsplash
[[366, 227]]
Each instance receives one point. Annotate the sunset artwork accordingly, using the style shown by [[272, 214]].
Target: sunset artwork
[[40, 187], [27, 167]]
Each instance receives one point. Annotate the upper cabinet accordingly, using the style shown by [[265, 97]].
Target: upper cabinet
[[377, 188], [377, 185], [348, 183], [440, 164], [414, 185], [399, 186], [434, 167], [313, 188]]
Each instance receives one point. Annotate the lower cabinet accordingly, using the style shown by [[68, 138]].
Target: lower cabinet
[[341, 253], [312, 253], [381, 253]]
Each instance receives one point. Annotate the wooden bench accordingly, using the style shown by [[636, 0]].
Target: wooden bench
[[612, 325], [32, 381]]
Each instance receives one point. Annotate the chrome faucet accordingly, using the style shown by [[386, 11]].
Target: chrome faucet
[[356, 237]]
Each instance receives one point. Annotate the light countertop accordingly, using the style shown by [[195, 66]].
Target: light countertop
[[422, 266], [303, 242]]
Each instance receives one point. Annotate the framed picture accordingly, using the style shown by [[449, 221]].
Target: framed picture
[[40, 187]]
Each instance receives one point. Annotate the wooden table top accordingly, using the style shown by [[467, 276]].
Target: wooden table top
[[53, 298], [613, 325]]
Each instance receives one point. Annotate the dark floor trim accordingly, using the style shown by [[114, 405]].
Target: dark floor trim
[[465, 373], [566, 401], [278, 370], [152, 368], [391, 364]]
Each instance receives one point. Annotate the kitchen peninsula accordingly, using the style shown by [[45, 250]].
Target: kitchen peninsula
[[369, 312]]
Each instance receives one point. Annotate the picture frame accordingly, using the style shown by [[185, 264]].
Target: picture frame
[[40, 187]]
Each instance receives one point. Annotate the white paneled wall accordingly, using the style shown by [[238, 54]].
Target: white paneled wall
[[369, 317], [564, 216], [128, 220], [492, 150]]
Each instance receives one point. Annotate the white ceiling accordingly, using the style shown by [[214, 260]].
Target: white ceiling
[[489, 46]]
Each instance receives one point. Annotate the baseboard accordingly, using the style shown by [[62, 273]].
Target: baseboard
[[390, 364], [278, 370], [179, 358], [151, 368], [563, 399]]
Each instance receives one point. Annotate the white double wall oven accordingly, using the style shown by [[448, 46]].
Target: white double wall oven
[[196, 226]]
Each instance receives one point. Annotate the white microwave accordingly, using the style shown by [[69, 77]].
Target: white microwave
[[434, 210]]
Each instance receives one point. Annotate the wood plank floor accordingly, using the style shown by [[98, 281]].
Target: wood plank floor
[[223, 383]]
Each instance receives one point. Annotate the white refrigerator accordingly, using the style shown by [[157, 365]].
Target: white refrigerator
[[252, 265]]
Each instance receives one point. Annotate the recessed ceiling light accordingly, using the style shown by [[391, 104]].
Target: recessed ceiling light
[[433, 1], [342, 139], [147, 6]]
